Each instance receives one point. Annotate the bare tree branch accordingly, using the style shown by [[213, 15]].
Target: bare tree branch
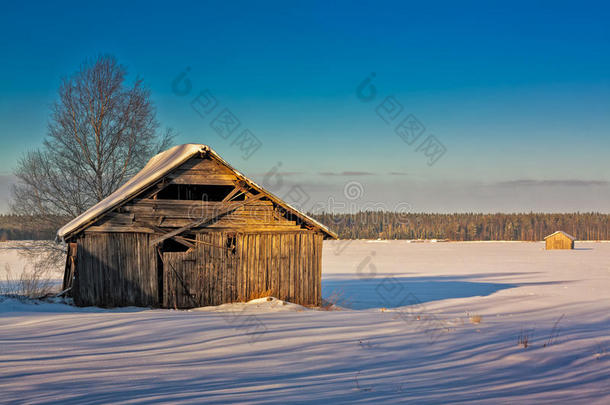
[[100, 133]]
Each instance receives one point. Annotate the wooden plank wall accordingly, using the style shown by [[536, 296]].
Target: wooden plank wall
[[559, 241], [120, 269], [202, 171], [115, 269], [146, 213], [287, 264], [205, 275], [117, 266]]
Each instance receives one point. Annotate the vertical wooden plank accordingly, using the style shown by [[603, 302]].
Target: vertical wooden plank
[[303, 267], [280, 266], [290, 261], [296, 268], [239, 275], [165, 303], [99, 269], [224, 270], [167, 282], [309, 281], [232, 270], [214, 269], [310, 278], [84, 263], [305, 270], [140, 288], [207, 268], [262, 263], [112, 276], [210, 268], [305, 280], [314, 278], [244, 266], [123, 273], [291, 253], [266, 262], [222, 265], [319, 246], [94, 265], [273, 257], [205, 262], [199, 270], [257, 264], [236, 270], [254, 264], [193, 287], [217, 269], [310, 267], [152, 265]]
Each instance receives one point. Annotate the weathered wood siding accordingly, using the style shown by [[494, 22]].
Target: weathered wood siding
[[115, 269], [205, 275], [289, 265], [244, 245], [559, 241], [143, 214]]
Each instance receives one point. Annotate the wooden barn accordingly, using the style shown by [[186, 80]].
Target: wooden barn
[[189, 230], [559, 240]]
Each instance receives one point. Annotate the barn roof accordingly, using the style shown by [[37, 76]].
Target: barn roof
[[562, 232], [157, 168]]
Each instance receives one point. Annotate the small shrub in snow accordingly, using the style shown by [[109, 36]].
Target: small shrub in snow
[[335, 301], [554, 332], [475, 319], [33, 282], [523, 339]]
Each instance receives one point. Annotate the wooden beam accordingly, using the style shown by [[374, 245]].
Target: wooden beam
[[183, 241], [236, 190], [118, 228], [206, 220]]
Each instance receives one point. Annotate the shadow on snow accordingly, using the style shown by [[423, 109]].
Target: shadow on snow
[[393, 292]]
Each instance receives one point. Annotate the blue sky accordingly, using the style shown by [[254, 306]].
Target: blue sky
[[518, 94]]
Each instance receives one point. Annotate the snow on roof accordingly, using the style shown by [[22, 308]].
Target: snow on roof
[[566, 234], [155, 169]]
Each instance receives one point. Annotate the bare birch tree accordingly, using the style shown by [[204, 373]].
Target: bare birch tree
[[101, 132]]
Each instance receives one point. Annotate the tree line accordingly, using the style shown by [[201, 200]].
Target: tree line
[[25, 227], [468, 226], [392, 225]]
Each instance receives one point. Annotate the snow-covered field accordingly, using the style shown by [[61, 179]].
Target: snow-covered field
[[409, 334]]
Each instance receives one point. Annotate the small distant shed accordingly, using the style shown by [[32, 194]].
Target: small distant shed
[[559, 240]]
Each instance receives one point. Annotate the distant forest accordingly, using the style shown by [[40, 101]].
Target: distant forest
[[17, 227], [464, 227], [391, 225]]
